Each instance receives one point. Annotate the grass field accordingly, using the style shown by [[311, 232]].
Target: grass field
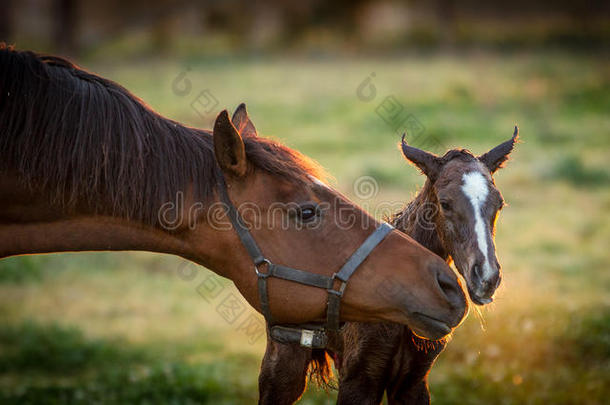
[[136, 328]]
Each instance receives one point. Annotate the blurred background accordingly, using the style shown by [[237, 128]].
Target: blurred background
[[339, 81]]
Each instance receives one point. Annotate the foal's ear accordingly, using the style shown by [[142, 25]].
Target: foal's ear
[[229, 146], [495, 158], [242, 122], [428, 163]]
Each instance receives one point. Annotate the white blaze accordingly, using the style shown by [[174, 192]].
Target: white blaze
[[475, 189]]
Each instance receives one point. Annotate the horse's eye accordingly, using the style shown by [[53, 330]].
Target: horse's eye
[[307, 212], [445, 206]]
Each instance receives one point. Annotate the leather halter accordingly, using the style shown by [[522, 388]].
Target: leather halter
[[264, 268]]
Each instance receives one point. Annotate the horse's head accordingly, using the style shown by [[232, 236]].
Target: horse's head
[[299, 221], [467, 202]]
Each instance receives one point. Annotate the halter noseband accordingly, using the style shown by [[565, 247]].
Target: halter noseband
[[264, 268]]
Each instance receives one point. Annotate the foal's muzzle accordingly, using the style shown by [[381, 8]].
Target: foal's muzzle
[[483, 282]]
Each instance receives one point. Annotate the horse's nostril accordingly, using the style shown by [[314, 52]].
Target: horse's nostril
[[477, 271], [450, 288], [498, 282], [444, 284]]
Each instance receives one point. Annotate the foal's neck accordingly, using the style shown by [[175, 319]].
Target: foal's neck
[[419, 220]]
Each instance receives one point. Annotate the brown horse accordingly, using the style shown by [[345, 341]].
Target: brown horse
[[453, 215], [86, 166]]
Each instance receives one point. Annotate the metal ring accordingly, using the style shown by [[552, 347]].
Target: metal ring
[[258, 273], [341, 289]]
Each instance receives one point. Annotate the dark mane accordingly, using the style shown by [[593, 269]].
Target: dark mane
[[87, 140], [415, 218]]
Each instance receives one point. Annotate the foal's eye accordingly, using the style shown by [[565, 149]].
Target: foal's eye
[[307, 212], [445, 206]]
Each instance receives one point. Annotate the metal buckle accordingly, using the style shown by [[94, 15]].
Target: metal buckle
[[341, 289], [268, 263], [307, 337]]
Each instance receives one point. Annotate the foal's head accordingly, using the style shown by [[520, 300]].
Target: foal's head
[[467, 202], [299, 221]]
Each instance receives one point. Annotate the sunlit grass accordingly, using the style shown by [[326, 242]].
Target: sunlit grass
[[142, 333]]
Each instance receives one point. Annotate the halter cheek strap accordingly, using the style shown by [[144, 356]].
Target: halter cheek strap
[[343, 275], [264, 268]]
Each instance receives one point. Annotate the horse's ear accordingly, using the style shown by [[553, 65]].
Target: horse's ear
[[242, 122], [495, 158], [229, 146], [427, 162]]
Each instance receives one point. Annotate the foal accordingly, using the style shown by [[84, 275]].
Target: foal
[[454, 216]]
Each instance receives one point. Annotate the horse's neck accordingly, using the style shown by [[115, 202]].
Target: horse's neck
[[30, 224], [418, 220]]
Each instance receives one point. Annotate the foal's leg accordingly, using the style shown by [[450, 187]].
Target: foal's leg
[[367, 361], [412, 386], [416, 394], [359, 388], [283, 373]]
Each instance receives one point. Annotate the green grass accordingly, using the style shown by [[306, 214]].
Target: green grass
[[545, 358], [21, 269], [51, 364], [32, 348], [126, 328], [573, 170]]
